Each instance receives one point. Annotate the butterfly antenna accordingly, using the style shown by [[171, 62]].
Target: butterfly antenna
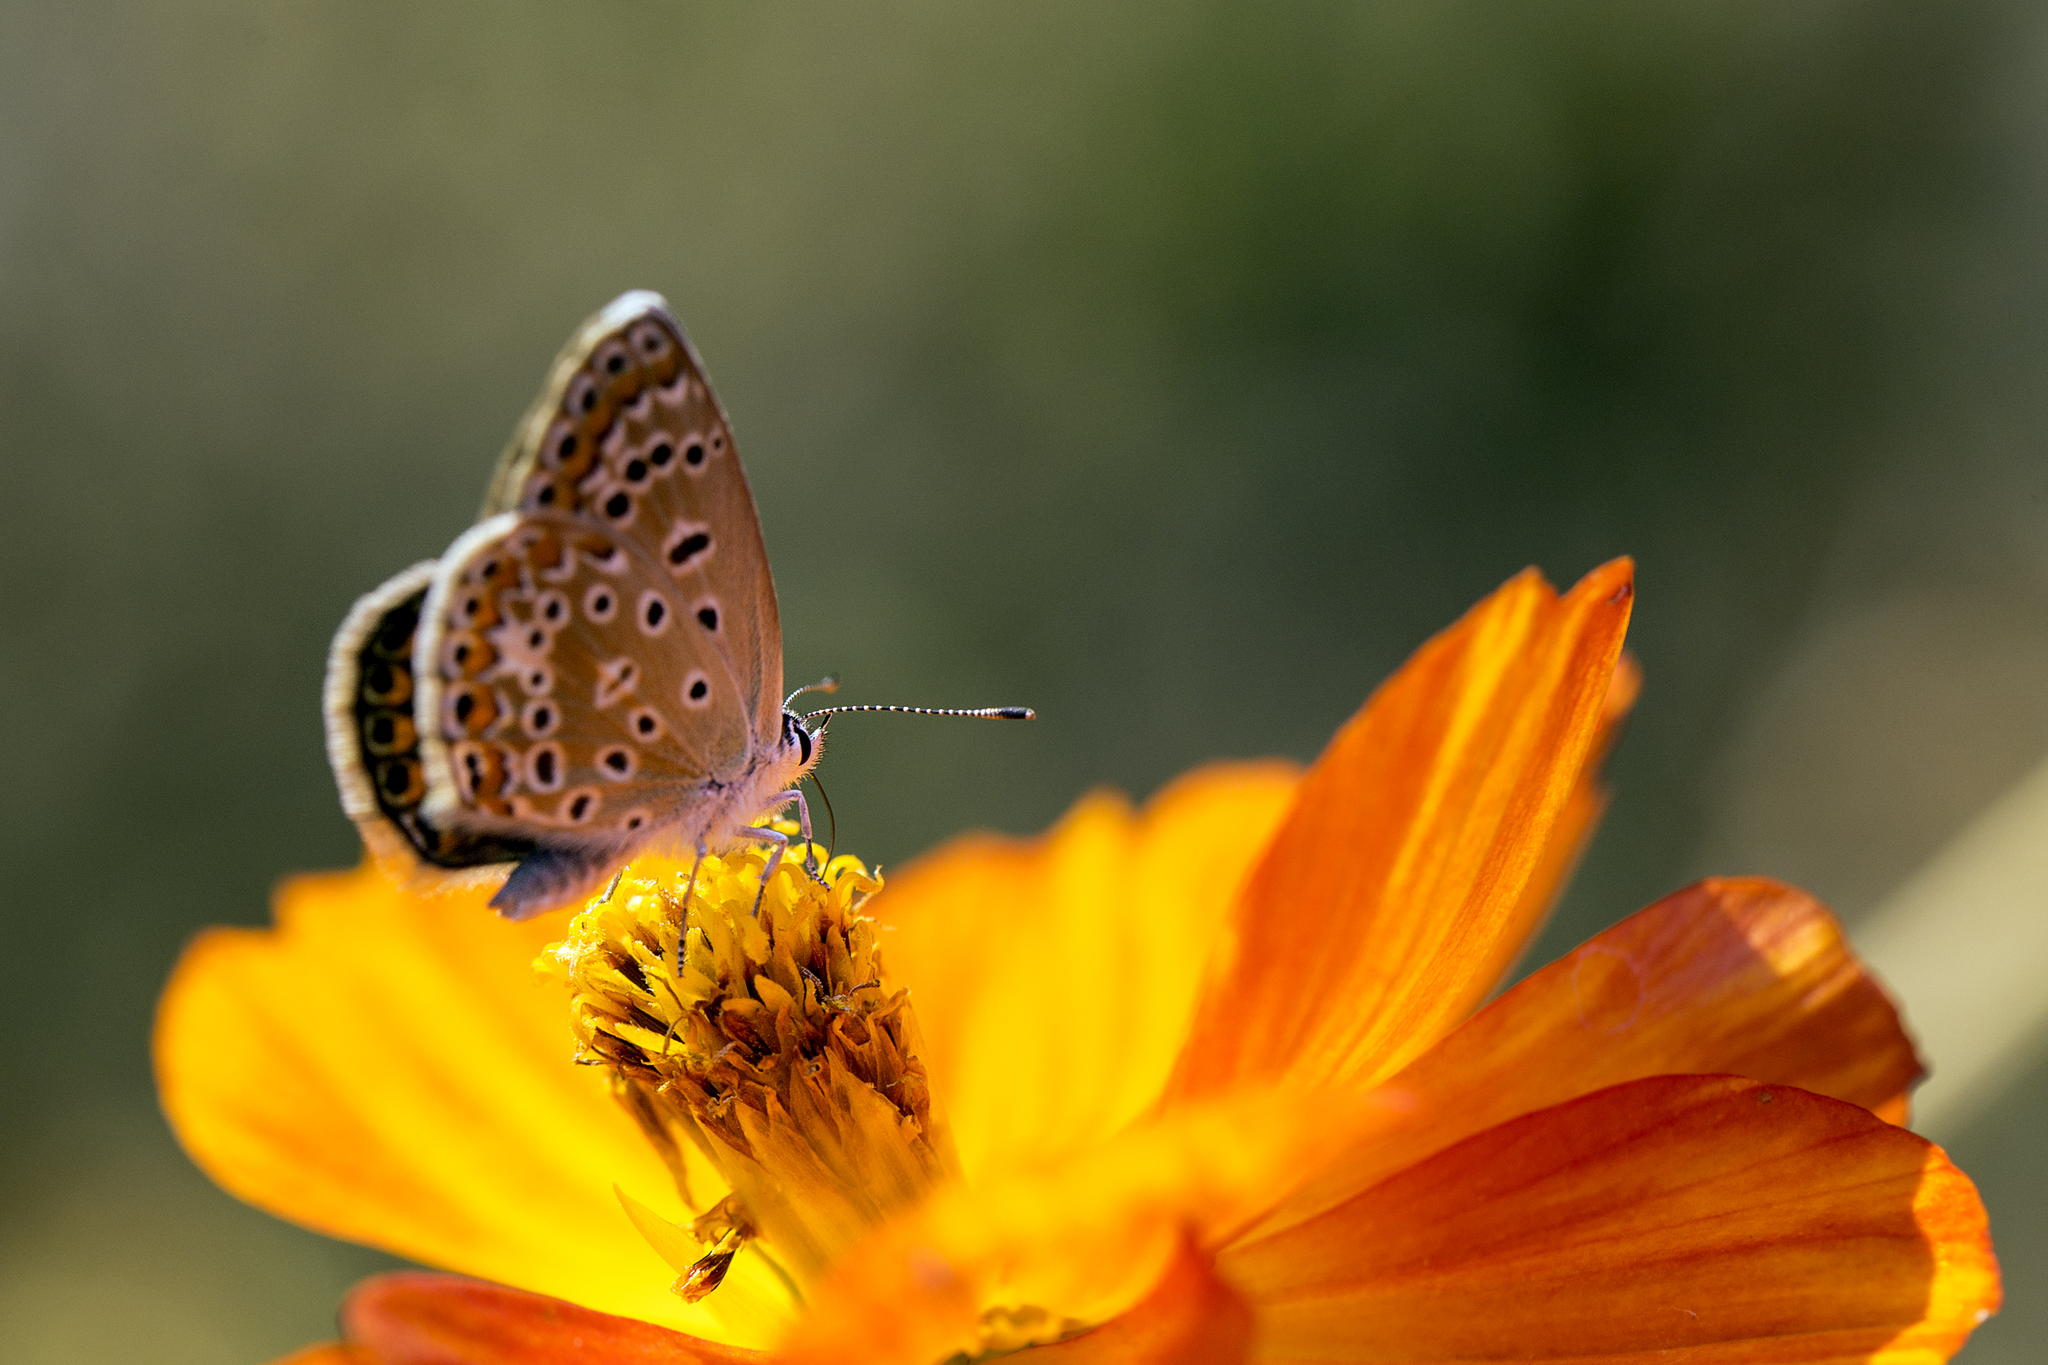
[[828, 683], [981, 712]]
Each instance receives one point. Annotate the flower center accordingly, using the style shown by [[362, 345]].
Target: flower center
[[745, 1015]]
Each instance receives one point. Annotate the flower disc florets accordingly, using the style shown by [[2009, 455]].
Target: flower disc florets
[[745, 1014]]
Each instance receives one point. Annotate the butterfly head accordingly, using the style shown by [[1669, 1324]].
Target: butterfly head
[[801, 744]]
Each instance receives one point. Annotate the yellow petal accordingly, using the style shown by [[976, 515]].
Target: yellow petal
[[1400, 881], [1080, 1241], [390, 1069], [1053, 978], [1707, 1219]]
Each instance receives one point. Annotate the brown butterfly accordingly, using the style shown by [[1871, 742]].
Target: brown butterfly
[[596, 666]]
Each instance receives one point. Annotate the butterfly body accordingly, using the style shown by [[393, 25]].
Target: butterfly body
[[595, 668]]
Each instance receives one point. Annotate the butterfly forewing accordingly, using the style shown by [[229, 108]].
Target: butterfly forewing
[[628, 434]]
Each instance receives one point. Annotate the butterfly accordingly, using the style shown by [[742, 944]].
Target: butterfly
[[594, 667]]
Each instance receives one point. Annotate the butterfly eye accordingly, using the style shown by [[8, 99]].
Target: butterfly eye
[[794, 736]]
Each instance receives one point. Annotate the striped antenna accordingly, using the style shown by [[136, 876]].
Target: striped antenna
[[983, 712]]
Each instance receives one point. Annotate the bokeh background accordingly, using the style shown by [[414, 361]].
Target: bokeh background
[[1175, 369]]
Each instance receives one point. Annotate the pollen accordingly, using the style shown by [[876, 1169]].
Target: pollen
[[744, 1014]]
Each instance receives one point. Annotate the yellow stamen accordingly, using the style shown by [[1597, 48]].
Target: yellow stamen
[[769, 1042]]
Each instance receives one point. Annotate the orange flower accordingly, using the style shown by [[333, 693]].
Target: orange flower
[[1200, 1082]]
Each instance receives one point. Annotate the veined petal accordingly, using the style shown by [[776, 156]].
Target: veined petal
[[1078, 1242], [421, 1319], [1744, 976], [1191, 1317], [1053, 978], [1576, 824], [389, 1068], [1399, 883], [1711, 1218]]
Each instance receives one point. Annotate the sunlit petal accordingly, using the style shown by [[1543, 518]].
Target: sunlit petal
[[1707, 1218], [1399, 882], [1079, 1241], [422, 1319], [1744, 976], [390, 1069], [1191, 1317], [1053, 978]]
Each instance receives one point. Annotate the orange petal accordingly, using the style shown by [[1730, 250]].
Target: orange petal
[[420, 1319], [1400, 882], [1735, 975], [1191, 1317], [1576, 824], [327, 1353], [390, 1069], [1705, 1218], [1081, 1241], [1053, 978]]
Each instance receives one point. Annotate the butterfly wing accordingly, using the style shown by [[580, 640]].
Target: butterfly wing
[[626, 449], [581, 692], [627, 433], [373, 741]]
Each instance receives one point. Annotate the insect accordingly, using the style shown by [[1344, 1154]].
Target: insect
[[595, 667]]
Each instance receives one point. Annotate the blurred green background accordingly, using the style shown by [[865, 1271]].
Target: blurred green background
[[1175, 369]]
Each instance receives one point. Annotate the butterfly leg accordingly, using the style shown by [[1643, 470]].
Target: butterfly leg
[[689, 890], [803, 823], [778, 845]]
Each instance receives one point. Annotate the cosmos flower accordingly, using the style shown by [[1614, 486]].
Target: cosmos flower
[[1217, 1079]]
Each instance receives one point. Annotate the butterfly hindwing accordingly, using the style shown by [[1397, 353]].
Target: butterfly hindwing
[[373, 740]]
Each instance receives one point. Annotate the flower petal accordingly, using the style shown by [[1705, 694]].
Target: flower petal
[[1191, 1317], [1711, 1217], [1744, 976], [389, 1068], [1053, 978], [1082, 1240], [421, 1319], [1399, 883], [327, 1353]]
